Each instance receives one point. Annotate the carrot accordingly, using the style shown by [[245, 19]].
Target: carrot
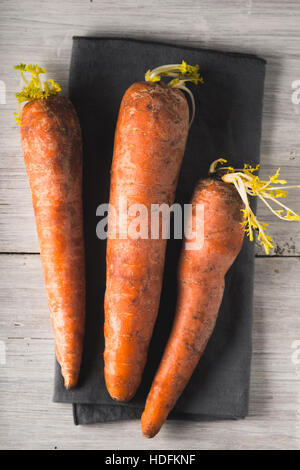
[[51, 140], [200, 290], [150, 139], [227, 216]]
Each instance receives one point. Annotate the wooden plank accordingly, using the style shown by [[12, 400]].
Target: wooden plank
[[29, 419], [44, 35]]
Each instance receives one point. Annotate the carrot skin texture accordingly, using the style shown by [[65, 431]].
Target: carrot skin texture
[[52, 147], [200, 291], [150, 139]]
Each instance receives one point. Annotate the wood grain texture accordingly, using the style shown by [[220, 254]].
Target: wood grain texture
[[41, 32], [29, 419]]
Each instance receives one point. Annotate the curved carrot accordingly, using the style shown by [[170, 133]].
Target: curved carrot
[[227, 216], [51, 140], [150, 139], [200, 291]]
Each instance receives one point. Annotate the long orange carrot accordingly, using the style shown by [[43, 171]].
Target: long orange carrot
[[227, 216], [150, 139], [51, 140], [200, 290]]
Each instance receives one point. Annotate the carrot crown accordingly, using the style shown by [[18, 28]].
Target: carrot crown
[[34, 89], [181, 74], [247, 183]]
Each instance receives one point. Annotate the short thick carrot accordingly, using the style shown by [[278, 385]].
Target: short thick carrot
[[150, 140], [51, 140], [200, 290]]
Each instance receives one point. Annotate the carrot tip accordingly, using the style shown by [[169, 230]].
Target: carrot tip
[[149, 431], [120, 394], [122, 398], [148, 435], [70, 382]]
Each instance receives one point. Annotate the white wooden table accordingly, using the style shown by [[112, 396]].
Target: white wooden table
[[41, 32]]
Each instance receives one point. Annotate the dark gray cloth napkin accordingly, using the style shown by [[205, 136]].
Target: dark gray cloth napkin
[[227, 124]]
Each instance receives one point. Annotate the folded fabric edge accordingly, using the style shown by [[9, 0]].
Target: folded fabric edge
[[137, 412], [229, 54]]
